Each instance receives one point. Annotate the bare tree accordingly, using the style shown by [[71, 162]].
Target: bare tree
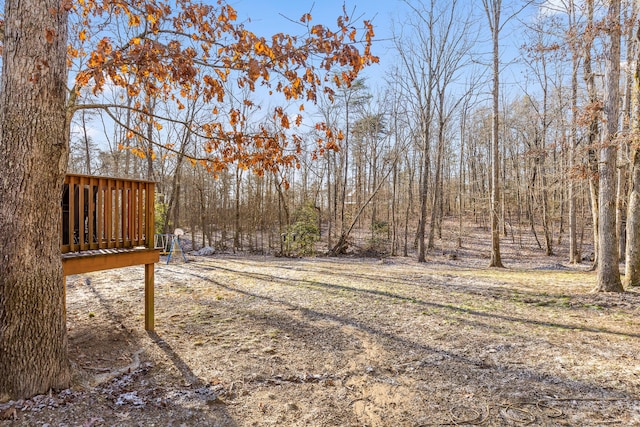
[[594, 125], [574, 253], [418, 61], [493, 9], [453, 48], [608, 272], [632, 258], [431, 65]]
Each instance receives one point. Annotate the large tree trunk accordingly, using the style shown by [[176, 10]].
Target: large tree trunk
[[624, 168], [34, 146], [608, 257], [632, 258], [632, 266]]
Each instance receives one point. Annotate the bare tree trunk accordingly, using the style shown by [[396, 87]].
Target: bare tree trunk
[[546, 215], [341, 245], [530, 203], [87, 144], [173, 208], [394, 215], [127, 140], [621, 207], [632, 265], [442, 51], [492, 9], [592, 135], [202, 208], [34, 141], [574, 254], [461, 181], [329, 198], [237, 226], [151, 105], [632, 258], [630, 15], [608, 273], [437, 193], [424, 191], [409, 209]]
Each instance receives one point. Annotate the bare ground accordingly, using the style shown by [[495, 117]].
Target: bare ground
[[258, 341]]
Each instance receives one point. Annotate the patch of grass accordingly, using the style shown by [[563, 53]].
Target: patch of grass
[[544, 303], [273, 333], [564, 302]]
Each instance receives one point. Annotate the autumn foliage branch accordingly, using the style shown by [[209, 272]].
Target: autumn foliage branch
[[147, 49]]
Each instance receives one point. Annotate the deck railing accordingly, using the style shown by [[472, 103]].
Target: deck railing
[[109, 223], [106, 213]]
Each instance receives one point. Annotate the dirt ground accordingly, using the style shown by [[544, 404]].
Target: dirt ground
[[260, 341]]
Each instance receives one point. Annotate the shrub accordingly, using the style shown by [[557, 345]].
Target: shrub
[[300, 237]]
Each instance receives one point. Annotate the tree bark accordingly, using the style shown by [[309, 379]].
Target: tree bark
[[624, 168], [632, 265], [594, 129], [632, 258], [492, 8], [574, 254], [86, 143], [608, 272], [437, 193], [34, 141], [424, 189]]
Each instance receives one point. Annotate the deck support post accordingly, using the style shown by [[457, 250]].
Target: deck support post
[[149, 320]]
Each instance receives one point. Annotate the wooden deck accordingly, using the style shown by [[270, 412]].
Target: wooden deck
[[109, 223]]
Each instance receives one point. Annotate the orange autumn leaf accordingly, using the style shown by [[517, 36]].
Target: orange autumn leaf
[[50, 35], [134, 20]]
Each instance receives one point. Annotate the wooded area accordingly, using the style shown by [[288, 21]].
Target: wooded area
[[549, 156], [277, 144]]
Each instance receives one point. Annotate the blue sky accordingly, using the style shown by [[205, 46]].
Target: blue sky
[[268, 17]]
